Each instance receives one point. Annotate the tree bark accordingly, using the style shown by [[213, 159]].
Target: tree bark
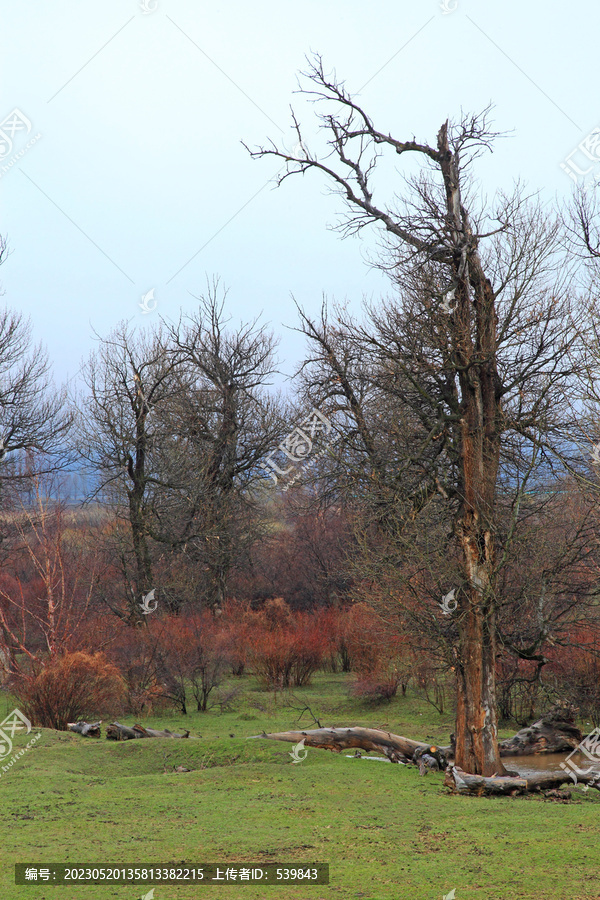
[[477, 747]]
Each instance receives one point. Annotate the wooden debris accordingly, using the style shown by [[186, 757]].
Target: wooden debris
[[478, 785], [87, 729], [117, 732], [555, 732]]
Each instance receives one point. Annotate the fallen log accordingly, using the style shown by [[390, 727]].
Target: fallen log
[[117, 732], [478, 785], [394, 746], [555, 732], [152, 732], [87, 729]]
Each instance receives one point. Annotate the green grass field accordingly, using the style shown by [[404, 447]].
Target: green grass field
[[385, 831]]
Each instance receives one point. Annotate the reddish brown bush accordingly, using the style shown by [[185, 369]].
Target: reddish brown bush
[[209, 658], [235, 624], [272, 655], [134, 652], [163, 660], [359, 639], [286, 649], [376, 687], [310, 644], [370, 644], [73, 686]]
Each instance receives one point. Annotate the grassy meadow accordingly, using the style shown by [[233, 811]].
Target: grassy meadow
[[386, 832]]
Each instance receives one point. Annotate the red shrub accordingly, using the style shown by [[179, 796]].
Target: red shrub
[[376, 687], [286, 649], [71, 687], [134, 652], [370, 644], [272, 656], [310, 643]]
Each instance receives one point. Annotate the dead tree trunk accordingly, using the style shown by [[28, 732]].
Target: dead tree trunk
[[555, 732], [450, 376], [117, 732], [475, 345], [338, 739], [478, 785], [87, 729]]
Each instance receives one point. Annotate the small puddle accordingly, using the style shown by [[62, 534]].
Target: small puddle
[[376, 758], [527, 766], [544, 763]]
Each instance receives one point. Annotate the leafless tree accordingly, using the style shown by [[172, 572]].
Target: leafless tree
[[581, 218], [34, 419], [37, 628], [175, 426], [130, 380], [469, 372], [225, 424]]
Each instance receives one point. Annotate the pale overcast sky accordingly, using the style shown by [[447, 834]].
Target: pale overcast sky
[[139, 180]]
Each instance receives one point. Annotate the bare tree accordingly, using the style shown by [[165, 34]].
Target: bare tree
[[33, 414], [38, 628], [34, 419], [130, 379], [581, 218], [175, 426], [475, 359], [225, 423]]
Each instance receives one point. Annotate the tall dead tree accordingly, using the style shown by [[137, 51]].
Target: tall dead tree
[[469, 382]]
